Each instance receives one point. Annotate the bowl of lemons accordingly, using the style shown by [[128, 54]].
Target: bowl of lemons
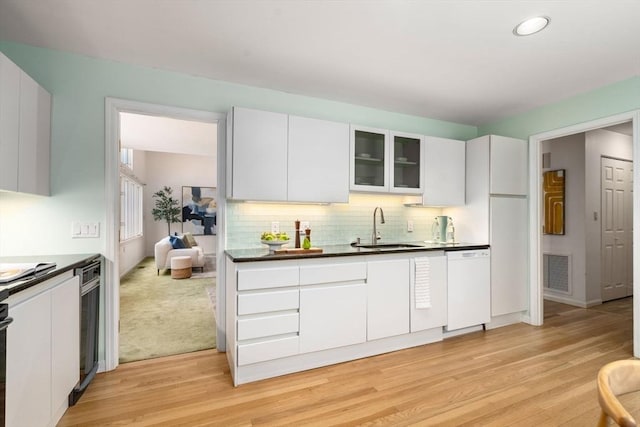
[[274, 240]]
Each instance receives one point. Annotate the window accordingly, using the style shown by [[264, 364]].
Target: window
[[126, 157], [130, 208]]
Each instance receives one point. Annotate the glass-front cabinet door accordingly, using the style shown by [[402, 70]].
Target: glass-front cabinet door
[[369, 169], [406, 159]]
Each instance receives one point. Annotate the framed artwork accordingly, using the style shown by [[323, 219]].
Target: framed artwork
[[553, 183], [199, 210]]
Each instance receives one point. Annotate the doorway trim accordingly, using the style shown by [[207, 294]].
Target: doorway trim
[[111, 298], [536, 315]]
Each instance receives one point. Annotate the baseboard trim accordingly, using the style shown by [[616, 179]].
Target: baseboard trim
[[572, 301]]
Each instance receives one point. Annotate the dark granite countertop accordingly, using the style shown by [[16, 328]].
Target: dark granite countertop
[[63, 263], [262, 254]]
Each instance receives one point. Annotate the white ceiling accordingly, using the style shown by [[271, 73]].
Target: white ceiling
[[164, 134], [454, 60]]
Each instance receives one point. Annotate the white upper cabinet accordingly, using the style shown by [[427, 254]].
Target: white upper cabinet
[[9, 123], [407, 160], [277, 157], [259, 155], [318, 161], [385, 161], [508, 156], [444, 171], [25, 131], [369, 153]]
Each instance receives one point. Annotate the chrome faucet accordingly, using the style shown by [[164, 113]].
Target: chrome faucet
[[375, 237]]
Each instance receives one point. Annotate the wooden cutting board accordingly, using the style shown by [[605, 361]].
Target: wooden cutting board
[[298, 251]]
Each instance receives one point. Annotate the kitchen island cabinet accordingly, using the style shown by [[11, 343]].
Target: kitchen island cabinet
[[349, 306]]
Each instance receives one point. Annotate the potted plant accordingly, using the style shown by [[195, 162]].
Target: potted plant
[[167, 208]]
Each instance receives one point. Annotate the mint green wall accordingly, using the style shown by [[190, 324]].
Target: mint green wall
[[606, 101], [79, 85]]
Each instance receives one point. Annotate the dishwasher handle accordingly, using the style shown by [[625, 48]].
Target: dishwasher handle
[[462, 255]]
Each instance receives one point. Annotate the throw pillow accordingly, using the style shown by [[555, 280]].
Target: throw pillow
[[189, 237], [185, 241], [176, 242]]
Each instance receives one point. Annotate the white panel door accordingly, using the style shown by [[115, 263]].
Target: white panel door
[[9, 123], [332, 316], [387, 298], [616, 223], [509, 173], [444, 164], [65, 341], [28, 401], [509, 254], [318, 161], [259, 155]]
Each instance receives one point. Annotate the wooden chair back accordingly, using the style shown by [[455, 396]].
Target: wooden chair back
[[614, 379]]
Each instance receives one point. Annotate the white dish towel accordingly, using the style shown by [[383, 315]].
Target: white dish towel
[[422, 284]]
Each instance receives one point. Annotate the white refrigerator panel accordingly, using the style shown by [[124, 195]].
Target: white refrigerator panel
[[509, 255]]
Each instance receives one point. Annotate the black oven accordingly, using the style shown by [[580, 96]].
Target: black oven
[[5, 320], [89, 315]]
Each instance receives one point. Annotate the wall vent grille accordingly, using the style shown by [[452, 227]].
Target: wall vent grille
[[556, 272]]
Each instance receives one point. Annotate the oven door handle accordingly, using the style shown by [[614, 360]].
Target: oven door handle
[[5, 323]]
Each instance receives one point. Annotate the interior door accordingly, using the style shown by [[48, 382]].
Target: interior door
[[617, 219]]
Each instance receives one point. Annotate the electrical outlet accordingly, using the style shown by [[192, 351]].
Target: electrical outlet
[[275, 227], [409, 226], [304, 225]]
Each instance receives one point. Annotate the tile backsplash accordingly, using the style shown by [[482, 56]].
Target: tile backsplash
[[330, 224]]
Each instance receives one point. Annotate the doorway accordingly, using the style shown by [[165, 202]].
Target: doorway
[[113, 108], [150, 148], [535, 188]]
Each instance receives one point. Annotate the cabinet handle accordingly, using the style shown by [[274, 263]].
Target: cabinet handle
[[5, 323]]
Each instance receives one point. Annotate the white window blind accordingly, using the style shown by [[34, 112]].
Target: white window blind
[[130, 208]]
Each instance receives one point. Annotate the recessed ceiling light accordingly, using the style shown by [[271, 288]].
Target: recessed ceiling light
[[531, 26]]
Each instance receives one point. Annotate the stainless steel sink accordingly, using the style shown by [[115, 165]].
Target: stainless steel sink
[[389, 246]]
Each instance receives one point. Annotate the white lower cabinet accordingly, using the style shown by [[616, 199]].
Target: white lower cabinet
[[436, 274], [42, 352], [290, 315], [28, 401], [332, 316], [387, 298]]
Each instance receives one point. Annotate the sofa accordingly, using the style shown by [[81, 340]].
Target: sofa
[[168, 248]]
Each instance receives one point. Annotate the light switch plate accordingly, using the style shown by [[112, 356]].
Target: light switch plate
[[80, 229]]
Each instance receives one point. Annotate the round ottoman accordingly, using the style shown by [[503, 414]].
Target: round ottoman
[[181, 267]]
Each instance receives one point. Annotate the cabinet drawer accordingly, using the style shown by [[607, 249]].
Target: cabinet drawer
[[332, 273], [267, 326], [265, 302], [267, 350], [261, 278]]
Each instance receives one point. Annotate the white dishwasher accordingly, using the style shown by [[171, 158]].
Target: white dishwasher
[[469, 288]]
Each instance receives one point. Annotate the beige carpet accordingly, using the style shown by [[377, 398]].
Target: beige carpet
[[161, 316]]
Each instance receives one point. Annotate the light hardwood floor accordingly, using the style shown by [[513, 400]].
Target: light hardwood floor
[[515, 375]]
